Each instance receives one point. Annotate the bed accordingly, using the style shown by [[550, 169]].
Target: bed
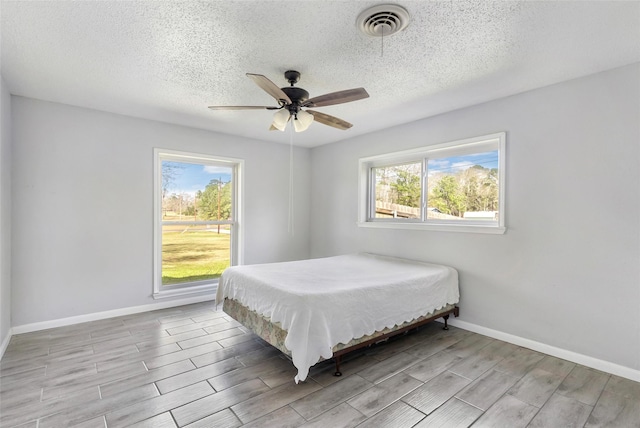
[[323, 308]]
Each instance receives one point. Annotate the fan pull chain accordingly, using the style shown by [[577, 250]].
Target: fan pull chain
[[382, 43], [290, 222]]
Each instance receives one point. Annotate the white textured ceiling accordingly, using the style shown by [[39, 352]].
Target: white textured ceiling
[[169, 60]]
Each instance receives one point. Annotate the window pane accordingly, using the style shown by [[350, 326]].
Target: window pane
[[397, 191], [456, 186], [192, 192], [463, 187], [195, 193], [194, 252]]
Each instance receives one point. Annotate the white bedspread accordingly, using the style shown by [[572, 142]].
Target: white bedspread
[[326, 301]]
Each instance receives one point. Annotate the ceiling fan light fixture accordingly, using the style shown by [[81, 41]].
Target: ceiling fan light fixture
[[280, 119], [302, 121]]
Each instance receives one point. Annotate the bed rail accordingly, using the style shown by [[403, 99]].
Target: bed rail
[[337, 356]]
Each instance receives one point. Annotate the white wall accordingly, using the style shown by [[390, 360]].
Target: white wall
[[5, 215], [75, 251], [567, 271]]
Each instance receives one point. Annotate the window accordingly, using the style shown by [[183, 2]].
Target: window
[[196, 202], [456, 186]]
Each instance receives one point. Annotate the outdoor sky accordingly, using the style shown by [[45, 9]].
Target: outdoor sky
[[454, 164], [190, 178]]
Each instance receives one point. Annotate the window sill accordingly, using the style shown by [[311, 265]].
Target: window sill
[[186, 291], [465, 228]]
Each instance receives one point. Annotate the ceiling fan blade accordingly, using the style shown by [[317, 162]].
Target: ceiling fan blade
[[339, 97], [333, 121], [243, 108], [269, 87]]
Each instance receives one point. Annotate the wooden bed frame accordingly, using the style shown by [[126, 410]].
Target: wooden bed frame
[[273, 334]]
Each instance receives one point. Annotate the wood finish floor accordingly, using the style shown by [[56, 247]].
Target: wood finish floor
[[193, 366]]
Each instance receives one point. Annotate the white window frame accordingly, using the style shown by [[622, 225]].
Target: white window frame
[[366, 185], [198, 287]]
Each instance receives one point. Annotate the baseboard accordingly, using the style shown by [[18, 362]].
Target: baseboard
[[5, 343], [44, 325], [564, 354]]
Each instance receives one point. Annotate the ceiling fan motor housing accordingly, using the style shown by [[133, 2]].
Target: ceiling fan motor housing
[[297, 97]]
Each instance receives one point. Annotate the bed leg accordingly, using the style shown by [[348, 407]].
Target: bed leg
[[337, 360], [446, 326]]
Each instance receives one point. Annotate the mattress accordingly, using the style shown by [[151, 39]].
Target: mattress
[[322, 303]]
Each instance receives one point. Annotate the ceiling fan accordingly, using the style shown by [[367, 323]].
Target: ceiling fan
[[291, 101]]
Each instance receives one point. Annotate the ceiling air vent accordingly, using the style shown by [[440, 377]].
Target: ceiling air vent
[[383, 20]]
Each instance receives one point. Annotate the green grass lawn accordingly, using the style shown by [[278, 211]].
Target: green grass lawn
[[193, 256]]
